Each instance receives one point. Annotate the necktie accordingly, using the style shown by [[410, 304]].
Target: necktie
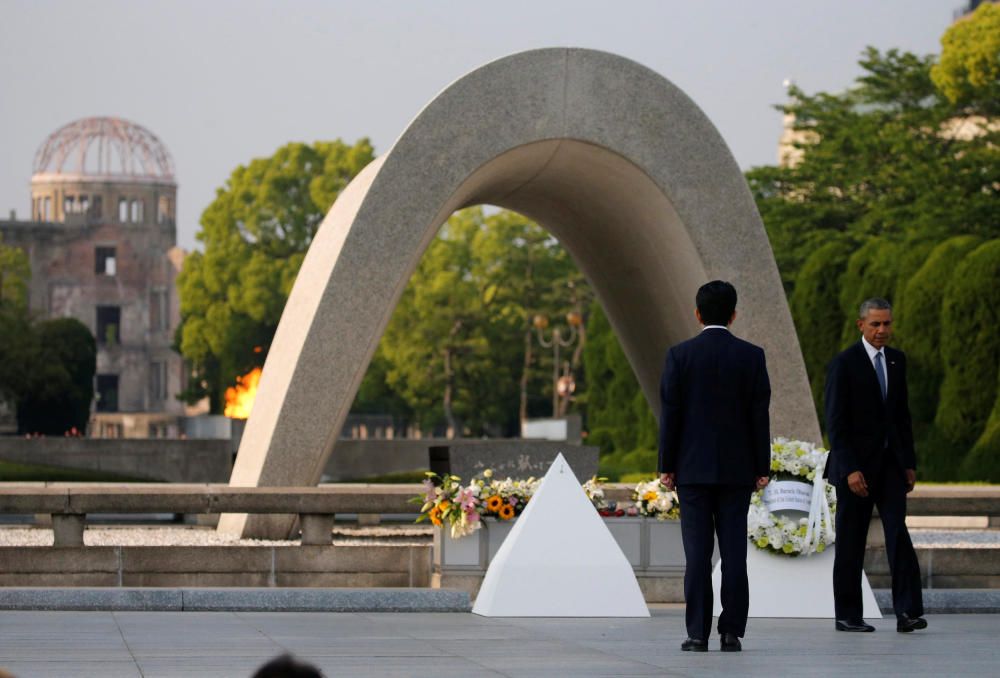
[[880, 373]]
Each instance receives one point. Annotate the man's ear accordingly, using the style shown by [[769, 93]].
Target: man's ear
[[697, 314], [731, 319]]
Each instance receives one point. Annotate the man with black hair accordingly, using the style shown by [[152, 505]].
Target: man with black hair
[[715, 449], [872, 463]]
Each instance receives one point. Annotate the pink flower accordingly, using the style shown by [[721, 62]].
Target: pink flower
[[512, 501], [466, 499]]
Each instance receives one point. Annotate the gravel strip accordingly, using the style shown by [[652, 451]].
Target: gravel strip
[[360, 536], [955, 539], [191, 536]]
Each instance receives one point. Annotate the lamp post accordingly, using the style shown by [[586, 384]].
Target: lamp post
[[561, 386]]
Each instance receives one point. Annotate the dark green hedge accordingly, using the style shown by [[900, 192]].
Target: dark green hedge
[[918, 325], [970, 344], [815, 306]]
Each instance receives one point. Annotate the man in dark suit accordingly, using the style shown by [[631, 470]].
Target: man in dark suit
[[715, 448], [872, 463]]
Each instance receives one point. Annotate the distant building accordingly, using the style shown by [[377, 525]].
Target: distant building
[[102, 247]]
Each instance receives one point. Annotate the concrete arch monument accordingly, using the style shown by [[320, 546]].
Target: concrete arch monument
[[610, 157]]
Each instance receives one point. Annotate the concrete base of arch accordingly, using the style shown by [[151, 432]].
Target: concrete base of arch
[[610, 157]]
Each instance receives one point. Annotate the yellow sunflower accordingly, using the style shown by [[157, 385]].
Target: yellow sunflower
[[494, 503], [435, 515], [506, 512]]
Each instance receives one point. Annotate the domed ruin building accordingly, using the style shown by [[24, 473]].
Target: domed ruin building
[[102, 246]]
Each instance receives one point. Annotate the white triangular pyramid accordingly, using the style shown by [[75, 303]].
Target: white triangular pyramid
[[793, 587], [560, 560]]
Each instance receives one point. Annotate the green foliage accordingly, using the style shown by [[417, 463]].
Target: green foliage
[[438, 341], [919, 323], [871, 271], [526, 272], [255, 235], [15, 272], [968, 73], [889, 169], [983, 460], [59, 388], [618, 417], [815, 306], [970, 344], [15, 335], [460, 343]]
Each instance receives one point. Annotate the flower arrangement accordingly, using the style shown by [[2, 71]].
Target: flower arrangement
[[653, 500], [789, 535], [446, 501], [608, 508]]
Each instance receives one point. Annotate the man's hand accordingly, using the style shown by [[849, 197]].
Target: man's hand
[[668, 480], [911, 479], [856, 481], [762, 482]]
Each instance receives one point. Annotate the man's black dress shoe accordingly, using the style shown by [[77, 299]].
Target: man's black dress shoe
[[854, 626], [694, 645], [905, 623], [730, 642]]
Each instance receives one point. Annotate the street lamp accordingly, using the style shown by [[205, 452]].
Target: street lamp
[[561, 386]]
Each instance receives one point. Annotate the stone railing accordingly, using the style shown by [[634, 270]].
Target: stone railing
[[68, 504], [316, 506]]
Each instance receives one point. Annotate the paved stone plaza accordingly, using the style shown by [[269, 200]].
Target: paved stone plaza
[[150, 644]]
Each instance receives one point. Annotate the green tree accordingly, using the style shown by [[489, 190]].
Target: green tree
[[983, 460], [970, 344], [255, 235], [435, 342], [878, 161], [968, 73], [888, 169], [618, 416], [15, 272], [60, 388], [15, 330], [919, 323], [816, 310], [459, 348], [525, 273]]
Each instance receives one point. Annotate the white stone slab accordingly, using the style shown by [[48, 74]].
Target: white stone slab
[[793, 587], [560, 560]]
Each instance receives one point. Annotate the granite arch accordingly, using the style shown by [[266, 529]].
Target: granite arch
[[610, 157]]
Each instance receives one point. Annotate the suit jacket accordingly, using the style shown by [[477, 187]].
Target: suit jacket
[[714, 426], [859, 423]]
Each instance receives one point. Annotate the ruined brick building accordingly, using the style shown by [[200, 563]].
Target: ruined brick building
[[102, 246]]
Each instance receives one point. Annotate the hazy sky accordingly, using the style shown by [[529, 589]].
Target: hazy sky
[[221, 82]]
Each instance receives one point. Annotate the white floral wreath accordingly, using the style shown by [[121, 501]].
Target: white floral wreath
[[800, 461]]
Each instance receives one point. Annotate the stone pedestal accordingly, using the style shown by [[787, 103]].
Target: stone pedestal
[[653, 548]]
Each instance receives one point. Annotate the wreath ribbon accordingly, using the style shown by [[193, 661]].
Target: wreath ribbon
[[819, 511]]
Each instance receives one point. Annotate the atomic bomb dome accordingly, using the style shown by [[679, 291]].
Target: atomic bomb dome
[[103, 168], [109, 148], [102, 248]]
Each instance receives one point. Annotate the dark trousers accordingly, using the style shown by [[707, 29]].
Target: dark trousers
[[887, 491], [707, 511]]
